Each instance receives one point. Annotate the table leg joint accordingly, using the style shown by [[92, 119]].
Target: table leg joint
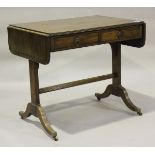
[[119, 91], [38, 111]]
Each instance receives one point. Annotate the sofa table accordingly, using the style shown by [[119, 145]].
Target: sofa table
[[35, 41]]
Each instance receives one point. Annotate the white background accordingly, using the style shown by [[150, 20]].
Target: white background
[[76, 115]]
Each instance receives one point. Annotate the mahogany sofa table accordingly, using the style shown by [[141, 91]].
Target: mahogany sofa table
[[36, 40]]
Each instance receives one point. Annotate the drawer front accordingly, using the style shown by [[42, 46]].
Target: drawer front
[[75, 41], [121, 34]]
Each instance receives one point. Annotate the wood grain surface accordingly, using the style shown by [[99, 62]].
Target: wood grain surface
[[35, 40], [73, 24]]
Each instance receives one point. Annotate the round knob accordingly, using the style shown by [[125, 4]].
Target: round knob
[[77, 41], [119, 34]]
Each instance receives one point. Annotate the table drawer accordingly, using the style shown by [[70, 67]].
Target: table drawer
[[121, 34], [75, 41]]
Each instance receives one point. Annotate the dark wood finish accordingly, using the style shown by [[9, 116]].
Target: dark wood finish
[[31, 45], [139, 42], [126, 33], [34, 82], [35, 41], [34, 108], [74, 25], [116, 88], [116, 63], [34, 87], [75, 83], [75, 41]]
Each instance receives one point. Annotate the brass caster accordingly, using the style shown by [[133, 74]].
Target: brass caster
[[98, 96], [55, 138], [21, 114], [139, 113], [27, 112]]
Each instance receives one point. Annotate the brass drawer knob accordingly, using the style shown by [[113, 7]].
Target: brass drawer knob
[[119, 34], [77, 41]]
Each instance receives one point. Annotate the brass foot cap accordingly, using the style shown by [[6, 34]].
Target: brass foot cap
[[140, 113], [98, 96], [21, 114]]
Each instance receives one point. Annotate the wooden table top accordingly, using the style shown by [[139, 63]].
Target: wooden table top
[[35, 40], [62, 26]]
